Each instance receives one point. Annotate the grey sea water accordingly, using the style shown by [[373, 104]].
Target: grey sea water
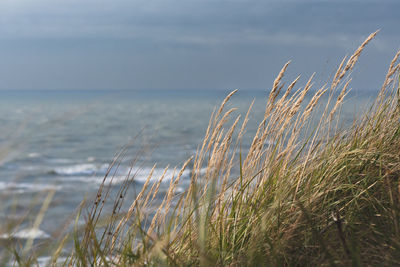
[[65, 140]]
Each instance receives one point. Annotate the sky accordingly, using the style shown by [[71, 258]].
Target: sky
[[190, 44]]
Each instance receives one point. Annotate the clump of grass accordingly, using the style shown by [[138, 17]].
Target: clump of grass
[[302, 194]]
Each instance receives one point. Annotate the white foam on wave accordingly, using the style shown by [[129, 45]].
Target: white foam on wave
[[28, 233], [48, 261], [81, 169], [27, 187], [91, 159], [141, 175], [34, 155], [91, 179], [137, 174]]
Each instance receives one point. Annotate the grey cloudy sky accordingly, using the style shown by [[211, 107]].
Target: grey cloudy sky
[[189, 44]]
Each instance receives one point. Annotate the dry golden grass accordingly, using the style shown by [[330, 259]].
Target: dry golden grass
[[302, 194]]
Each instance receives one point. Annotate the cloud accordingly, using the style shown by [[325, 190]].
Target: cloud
[[183, 43], [195, 22]]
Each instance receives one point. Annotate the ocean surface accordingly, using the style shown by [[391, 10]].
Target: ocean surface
[[64, 141]]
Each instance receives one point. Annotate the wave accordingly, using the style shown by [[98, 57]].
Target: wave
[[90, 173], [28, 233], [80, 169], [34, 155], [65, 176], [91, 179], [138, 175], [48, 261], [27, 187]]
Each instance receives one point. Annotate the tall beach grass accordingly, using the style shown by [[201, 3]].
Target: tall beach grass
[[302, 194]]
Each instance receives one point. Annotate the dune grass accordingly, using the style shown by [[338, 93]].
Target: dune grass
[[302, 194]]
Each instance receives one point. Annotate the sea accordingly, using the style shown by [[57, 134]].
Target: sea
[[62, 142]]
